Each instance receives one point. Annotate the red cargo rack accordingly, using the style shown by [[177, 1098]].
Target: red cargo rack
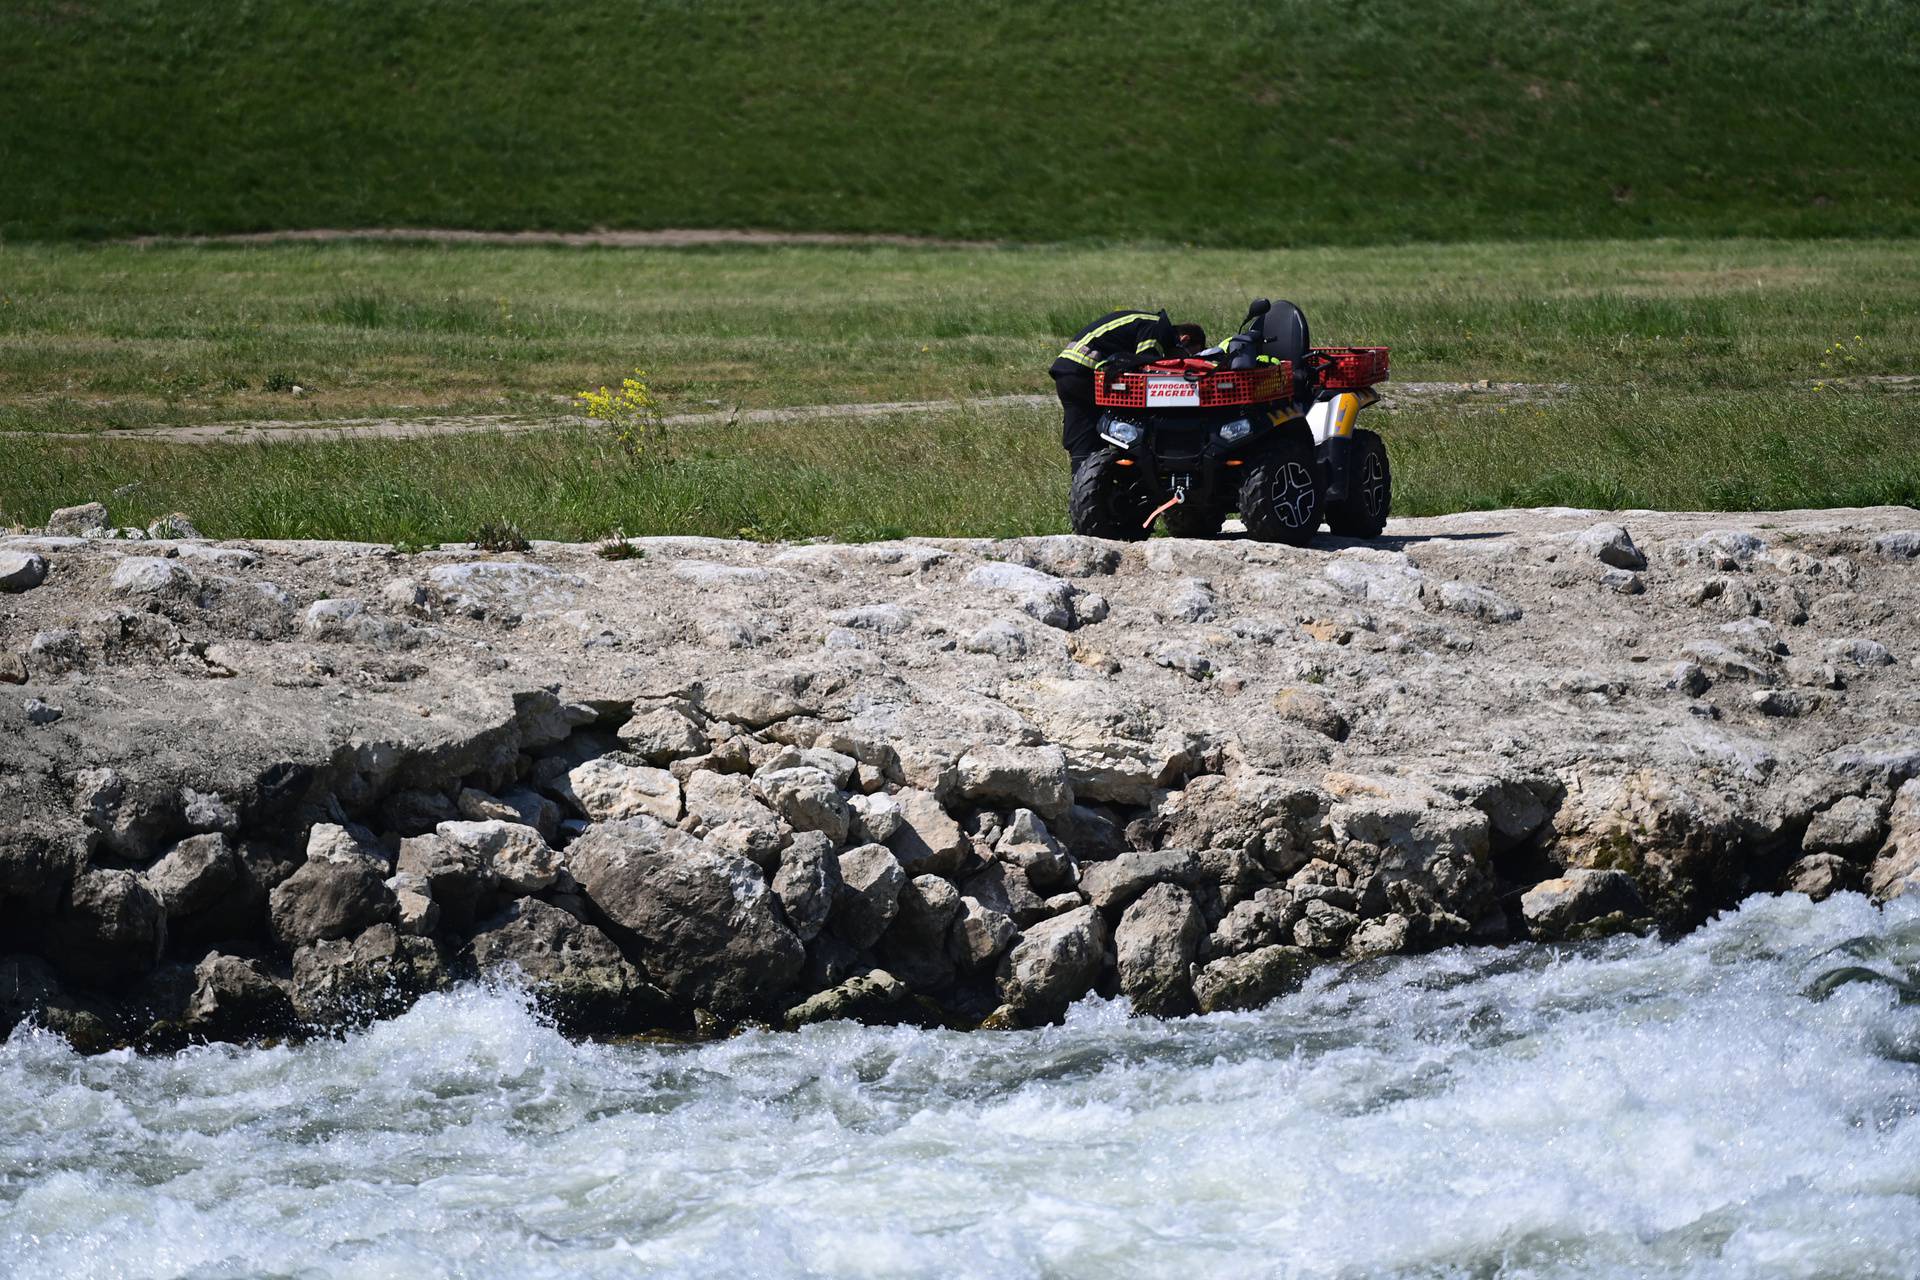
[[1353, 366], [1179, 385]]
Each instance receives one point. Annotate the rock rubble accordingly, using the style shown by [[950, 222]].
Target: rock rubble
[[288, 787]]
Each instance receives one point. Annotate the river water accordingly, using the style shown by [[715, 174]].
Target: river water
[[1704, 1108]]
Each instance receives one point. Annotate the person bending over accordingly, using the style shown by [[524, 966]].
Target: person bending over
[[1116, 342]]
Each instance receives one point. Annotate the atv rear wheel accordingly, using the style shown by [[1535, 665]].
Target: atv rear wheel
[[1109, 500], [1363, 512], [1281, 493], [1191, 520]]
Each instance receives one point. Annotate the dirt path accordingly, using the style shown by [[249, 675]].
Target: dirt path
[[669, 238], [271, 429]]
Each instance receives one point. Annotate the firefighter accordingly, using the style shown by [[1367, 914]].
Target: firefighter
[[1116, 342]]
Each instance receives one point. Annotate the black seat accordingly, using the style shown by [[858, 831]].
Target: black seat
[[1286, 333]]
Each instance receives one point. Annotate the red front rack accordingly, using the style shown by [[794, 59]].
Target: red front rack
[[1178, 384]]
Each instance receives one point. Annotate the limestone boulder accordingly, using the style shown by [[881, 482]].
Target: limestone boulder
[[325, 901], [807, 799], [871, 879], [1154, 947], [1554, 908], [701, 923], [610, 789], [807, 884], [925, 838], [1054, 963], [575, 973], [1252, 980], [378, 974], [110, 929]]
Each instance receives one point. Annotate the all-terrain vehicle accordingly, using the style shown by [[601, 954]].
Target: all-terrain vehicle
[[1263, 426]]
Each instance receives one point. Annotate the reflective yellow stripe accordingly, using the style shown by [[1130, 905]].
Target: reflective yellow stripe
[[1151, 344], [1081, 351]]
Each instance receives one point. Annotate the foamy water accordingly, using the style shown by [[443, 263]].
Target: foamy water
[[1695, 1109]]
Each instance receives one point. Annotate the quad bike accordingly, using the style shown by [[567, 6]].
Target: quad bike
[[1263, 426]]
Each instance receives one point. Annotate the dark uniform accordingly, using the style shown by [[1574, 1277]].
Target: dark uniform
[[1117, 341]]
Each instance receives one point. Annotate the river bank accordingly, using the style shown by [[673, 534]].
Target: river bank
[[681, 785]]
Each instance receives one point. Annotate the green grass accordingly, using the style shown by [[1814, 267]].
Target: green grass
[[126, 337], [1695, 361], [968, 473], [1310, 122]]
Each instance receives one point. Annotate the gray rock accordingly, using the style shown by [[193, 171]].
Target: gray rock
[[1323, 926], [326, 900], [1033, 777], [194, 875], [1553, 908], [978, 935], [876, 818], [807, 883], [1896, 868], [1388, 935], [456, 875], [1610, 544], [21, 570], [1192, 600], [1820, 876], [1041, 596], [701, 922], [1850, 825], [723, 810], [1477, 602], [1054, 963], [513, 855], [207, 811], [378, 974], [75, 522], [1113, 884], [876, 998], [1251, 981], [234, 1000], [1860, 652], [1002, 638], [110, 929], [1263, 920], [1903, 544], [476, 805], [41, 712], [418, 913], [925, 839], [662, 735], [914, 947], [870, 883], [606, 789], [1029, 845], [808, 799], [573, 970], [1004, 888], [1154, 946]]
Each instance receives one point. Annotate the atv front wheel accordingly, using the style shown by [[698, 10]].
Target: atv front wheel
[[1109, 500], [1191, 520], [1280, 495], [1363, 512]]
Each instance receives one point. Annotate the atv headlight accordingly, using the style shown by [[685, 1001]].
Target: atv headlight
[[1121, 433], [1235, 431]]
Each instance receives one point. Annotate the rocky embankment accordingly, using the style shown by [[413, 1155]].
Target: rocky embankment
[[255, 789]]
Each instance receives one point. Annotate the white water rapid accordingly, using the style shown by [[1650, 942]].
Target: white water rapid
[[1706, 1108]]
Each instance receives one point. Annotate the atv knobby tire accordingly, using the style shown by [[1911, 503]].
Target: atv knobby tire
[[1282, 491], [1109, 500], [1191, 520], [1363, 512]]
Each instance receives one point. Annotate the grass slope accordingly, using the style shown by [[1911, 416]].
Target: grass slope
[[1309, 121]]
